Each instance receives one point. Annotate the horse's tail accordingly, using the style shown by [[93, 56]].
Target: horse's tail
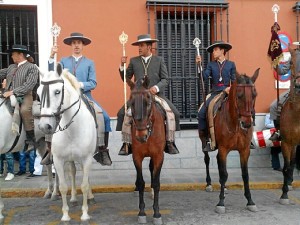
[[297, 160]]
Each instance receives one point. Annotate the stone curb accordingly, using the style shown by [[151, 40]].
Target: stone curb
[[39, 192]]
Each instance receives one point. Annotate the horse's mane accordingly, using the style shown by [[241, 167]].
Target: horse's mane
[[72, 80]]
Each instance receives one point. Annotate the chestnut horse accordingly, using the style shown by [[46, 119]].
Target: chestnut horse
[[233, 131], [290, 128], [148, 140]]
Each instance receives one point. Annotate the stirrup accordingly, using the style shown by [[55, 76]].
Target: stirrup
[[47, 159], [275, 136], [207, 148]]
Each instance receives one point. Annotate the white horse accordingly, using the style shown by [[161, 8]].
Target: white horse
[[66, 116], [11, 141]]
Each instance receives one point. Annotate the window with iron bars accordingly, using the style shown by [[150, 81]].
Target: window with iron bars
[[176, 24], [17, 26]]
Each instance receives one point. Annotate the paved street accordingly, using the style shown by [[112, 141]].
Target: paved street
[[177, 208]]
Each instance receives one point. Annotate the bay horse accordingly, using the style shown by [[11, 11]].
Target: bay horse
[[148, 140], [290, 127], [233, 131], [67, 118], [14, 141]]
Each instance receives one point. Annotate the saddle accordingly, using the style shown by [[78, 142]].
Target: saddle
[[214, 105], [167, 113]]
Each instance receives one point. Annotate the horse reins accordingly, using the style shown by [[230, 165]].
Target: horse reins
[[149, 116], [45, 99]]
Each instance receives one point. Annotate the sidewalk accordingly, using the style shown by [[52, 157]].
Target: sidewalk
[[171, 179]]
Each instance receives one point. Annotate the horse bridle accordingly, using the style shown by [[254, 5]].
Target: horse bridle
[[248, 112], [45, 99], [149, 123]]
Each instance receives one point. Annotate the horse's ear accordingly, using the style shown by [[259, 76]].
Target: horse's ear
[[59, 69], [255, 75], [130, 83], [146, 82]]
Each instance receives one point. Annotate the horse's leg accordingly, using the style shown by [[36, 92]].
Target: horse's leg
[[140, 184], [1, 208], [49, 190], [157, 164], [151, 174], [85, 188], [208, 187], [55, 193], [63, 187], [73, 200], [286, 150], [223, 175], [244, 156], [90, 197]]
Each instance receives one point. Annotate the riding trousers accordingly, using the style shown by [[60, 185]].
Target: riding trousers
[[26, 112], [202, 123], [105, 115]]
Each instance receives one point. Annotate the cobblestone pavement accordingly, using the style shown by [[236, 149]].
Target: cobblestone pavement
[[177, 208]]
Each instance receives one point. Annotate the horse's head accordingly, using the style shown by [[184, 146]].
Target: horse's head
[[54, 99], [295, 71], [141, 102], [245, 95]]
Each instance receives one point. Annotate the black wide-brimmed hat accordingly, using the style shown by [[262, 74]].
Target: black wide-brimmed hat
[[20, 48], [144, 38], [220, 44], [77, 36]]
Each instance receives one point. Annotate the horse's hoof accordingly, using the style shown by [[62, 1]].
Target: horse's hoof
[[142, 219], [47, 195], [220, 209], [85, 217], [209, 188], [284, 201], [65, 218], [91, 201], [252, 208], [157, 221], [55, 197], [290, 187]]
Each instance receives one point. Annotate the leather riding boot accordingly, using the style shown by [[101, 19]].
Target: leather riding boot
[[101, 154], [30, 142], [123, 150], [276, 135], [47, 158], [204, 141], [171, 148]]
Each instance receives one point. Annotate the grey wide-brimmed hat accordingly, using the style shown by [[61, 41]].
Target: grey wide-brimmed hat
[[144, 38], [77, 36], [220, 44], [20, 48]]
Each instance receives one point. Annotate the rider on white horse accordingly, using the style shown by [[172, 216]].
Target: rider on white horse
[[21, 79], [84, 70]]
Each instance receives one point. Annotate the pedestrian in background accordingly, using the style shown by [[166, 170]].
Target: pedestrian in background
[[22, 162], [10, 165]]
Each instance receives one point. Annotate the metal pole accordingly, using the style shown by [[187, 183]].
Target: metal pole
[[55, 31], [123, 38], [197, 43]]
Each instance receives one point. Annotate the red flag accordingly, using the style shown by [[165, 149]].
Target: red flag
[[275, 51]]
